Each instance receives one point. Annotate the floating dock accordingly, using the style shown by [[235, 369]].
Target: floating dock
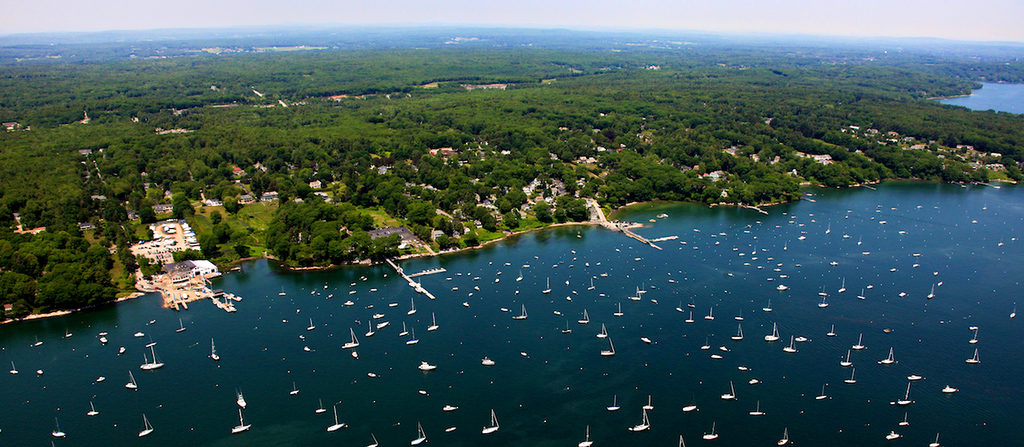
[[414, 284]]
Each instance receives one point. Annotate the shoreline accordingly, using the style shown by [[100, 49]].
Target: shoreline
[[59, 313]]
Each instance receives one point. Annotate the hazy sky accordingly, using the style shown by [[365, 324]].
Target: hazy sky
[[953, 19]]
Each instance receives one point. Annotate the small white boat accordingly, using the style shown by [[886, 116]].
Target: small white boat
[[936, 443], [789, 349], [131, 385], [731, 395], [888, 360], [92, 410], [974, 360], [433, 323], [412, 306], [353, 343], [522, 315], [413, 340], [57, 432], [337, 425], [242, 426], [712, 435], [294, 391], [618, 313], [421, 436], [650, 403], [757, 410], [914, 377], [320, 409], [846, 362], [831, 332], [774, 336], [906, 398], [949, 390], [487, 361], [449, 408], [424, 366], [611, 349], [739, 333], [494, 425], [13, 369], [585, 319], [859, 346], [645, 423], [785, 437], [822, 396], [615, 404], [213, 351], [892, 435], [851, 380], [148, 366], [905, 422], [586, 440], [181, 327], [147, 428]]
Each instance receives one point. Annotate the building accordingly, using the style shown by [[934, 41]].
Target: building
[[407, 237], [315, 184], [11, 125], [161, 208], [186, 270], [269, 196]]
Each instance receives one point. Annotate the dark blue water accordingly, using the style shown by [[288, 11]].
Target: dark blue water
[[729, 259], [998, 97]]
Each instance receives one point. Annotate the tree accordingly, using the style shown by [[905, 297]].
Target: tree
[[543, 211], [216, 217], [231, 205], [181, 207], [147, 215]]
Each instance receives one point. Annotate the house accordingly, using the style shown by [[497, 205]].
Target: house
[[11, 125], [98, 197], [161, 208], [315, 184], [213, 202], [443, 151], [185, 270], [131, 215], [269, 196], [407, 237], [86, 226], [85, 152], [245, 199], [237, 171]]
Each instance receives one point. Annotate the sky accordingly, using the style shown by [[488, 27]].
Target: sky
[[980, 20]]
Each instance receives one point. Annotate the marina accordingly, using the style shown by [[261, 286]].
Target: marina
[[549, 385]]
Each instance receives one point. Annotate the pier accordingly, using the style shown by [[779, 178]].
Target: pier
[[415, 285], [597, 214]]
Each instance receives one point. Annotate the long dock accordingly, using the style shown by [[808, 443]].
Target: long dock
[[596, 214], [415, 285]]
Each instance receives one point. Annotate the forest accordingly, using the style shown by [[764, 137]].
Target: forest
[[460, 145]]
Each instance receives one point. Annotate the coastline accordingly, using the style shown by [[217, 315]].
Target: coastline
[[59, 313]]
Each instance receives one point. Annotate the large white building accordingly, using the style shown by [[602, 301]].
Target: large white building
[[185, 270]]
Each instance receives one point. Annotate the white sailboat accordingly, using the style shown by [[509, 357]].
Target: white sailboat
[[131, 385], [861, 296], [154, 364], [859, 346], [585, 319], [932, 293], [768, 307], [618, 313], [936, 443], [421, 436], [711, 313], [566, 330], [412, 306], [57, 432], [774, 336], [823, 304], [213, 351], [712, 435], [842, 288], [731, 395], [240, 399], [494, 424], [92, 410], [242, 426], [369, 328], [822, 396], [320, 409], [689, 319], [295, 389], [353, 343], [905, 422], [181, 327], [611, 349], [785, 437], [586, 440], [846, 363], [433, 323], [375, 443], [413, 340], [336, 424], [973, 360], [972, 341], [645, 423], [906, 397], [831, 332], [739, 333], [311, 326], [789, 349], [547, 287], [522, 313], [650, 403], [147, 428], [13, 369], [615, 404], [851, 380], [757, 410], [591, 286], [888, 360], [603, 333]]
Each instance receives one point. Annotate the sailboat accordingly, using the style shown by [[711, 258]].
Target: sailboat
[[768, 307], [905, 422], [774, 336], [842, 288], [181, 327], [585, 319], [936, 443], [861, 296], [707, 344], [973, 360], [847, 362], [57, 432], [822, 396], [13, 369], [320, 409], [932, 293], [823, 304], [650, 404], [412, 306], [353, 343], [615, 403], [547, 288], [213, 351], [906, 397], [311, 326], [832, 331], [892, 435], [731, 395], [645, 423], [242, 426], [433, 323], [337, 424], [757, 410], [92, 410], [131, 385], [611, 349], [375, 443], [888, 360], [566, 330], [369, 328], [421, 436], [522, 313], [603, 333], [859, 346], [789, 349], [785, 437], [520, 277], [591, 283], [712, 435], [494, 424], [295, 389], [689, 319], [155, 364], [711, 313], [412, 340], [851, 380], [618, 313], [739, 333], [147, 428], [586, 440]]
